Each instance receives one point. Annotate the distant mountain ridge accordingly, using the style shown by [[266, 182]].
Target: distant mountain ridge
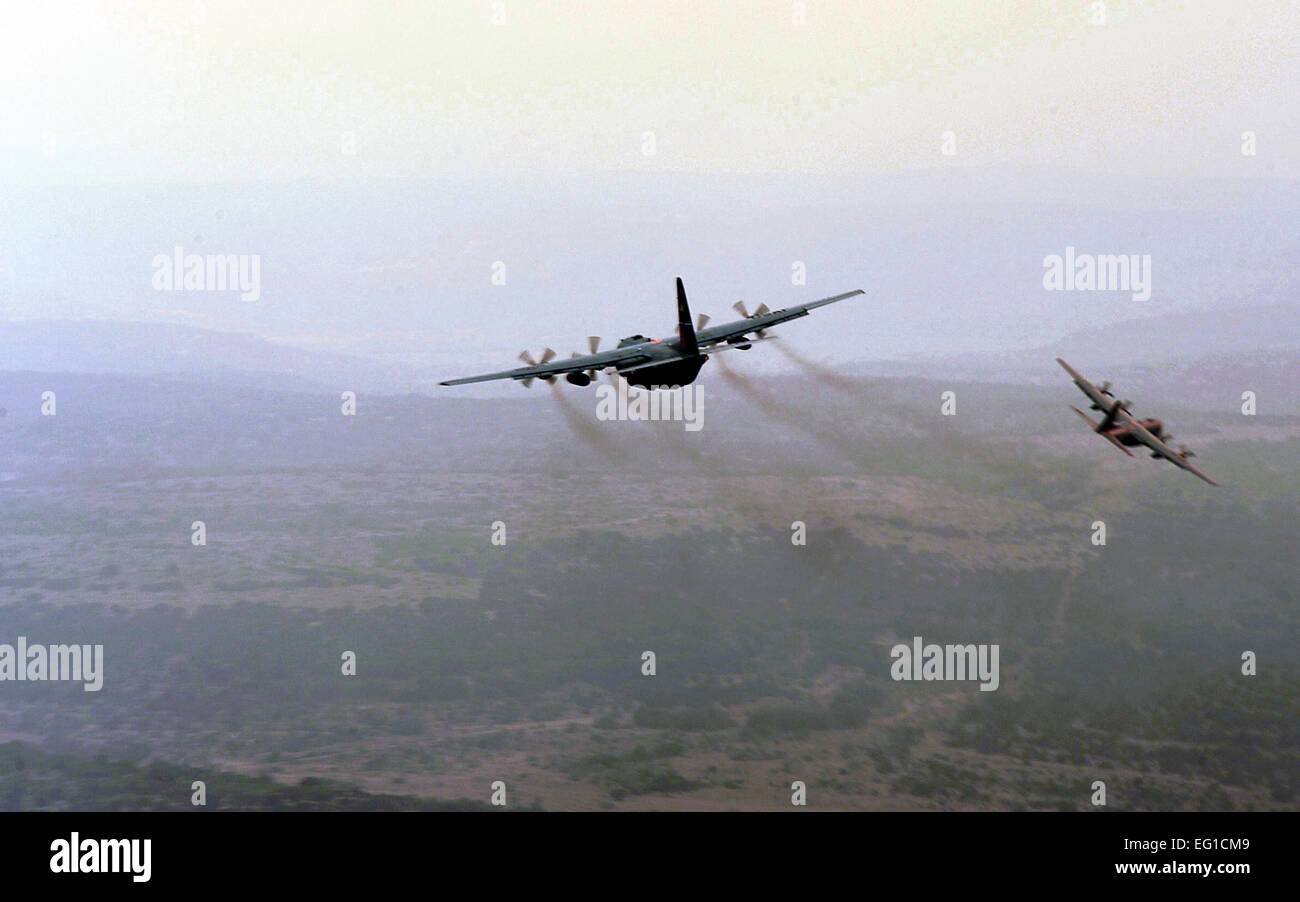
[[104, 346], [1192, 358], [1201, 333], [1152, 339]]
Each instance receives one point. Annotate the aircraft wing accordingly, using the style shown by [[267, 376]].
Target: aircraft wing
[[716, 335], [1095, 395], [1145, 436], [597, 361]]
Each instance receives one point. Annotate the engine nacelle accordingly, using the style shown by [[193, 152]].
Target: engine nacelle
[[578, 378]]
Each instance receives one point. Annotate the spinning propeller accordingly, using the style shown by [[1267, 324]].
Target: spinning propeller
[[762, 310], [1122, 405], [547, 356]]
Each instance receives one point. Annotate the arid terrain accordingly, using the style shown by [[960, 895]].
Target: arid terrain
[[522, 662]]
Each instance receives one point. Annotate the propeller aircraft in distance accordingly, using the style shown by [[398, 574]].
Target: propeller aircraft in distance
[[659, 362], [1124, 431]]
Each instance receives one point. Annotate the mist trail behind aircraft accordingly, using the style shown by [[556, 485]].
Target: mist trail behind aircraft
[[670, 435], [822, 374], [765, 401], [910, 423], [877, 400], [786, 413], [585, 428]]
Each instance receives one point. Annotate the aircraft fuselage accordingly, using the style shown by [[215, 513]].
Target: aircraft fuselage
[[1126, 436], [675, 369]]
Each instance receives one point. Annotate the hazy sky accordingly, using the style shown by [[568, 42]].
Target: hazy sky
[[202, 91], [382, 159]]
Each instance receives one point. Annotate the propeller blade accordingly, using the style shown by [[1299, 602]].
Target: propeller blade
[[548, 355], [528, 382], [593, 342], [762, 310], [527, 358], [701, 321], [739, 307]]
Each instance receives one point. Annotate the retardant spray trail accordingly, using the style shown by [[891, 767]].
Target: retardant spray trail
[[822, 374], [585, 428], [669, 435], [766, 402], [776, 409]]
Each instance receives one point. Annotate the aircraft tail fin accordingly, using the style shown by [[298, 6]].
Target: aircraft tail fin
[[685, 327], [1109, 419]]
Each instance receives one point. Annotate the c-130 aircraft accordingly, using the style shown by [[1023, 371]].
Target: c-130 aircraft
[[1123, 430], [659, 362]]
